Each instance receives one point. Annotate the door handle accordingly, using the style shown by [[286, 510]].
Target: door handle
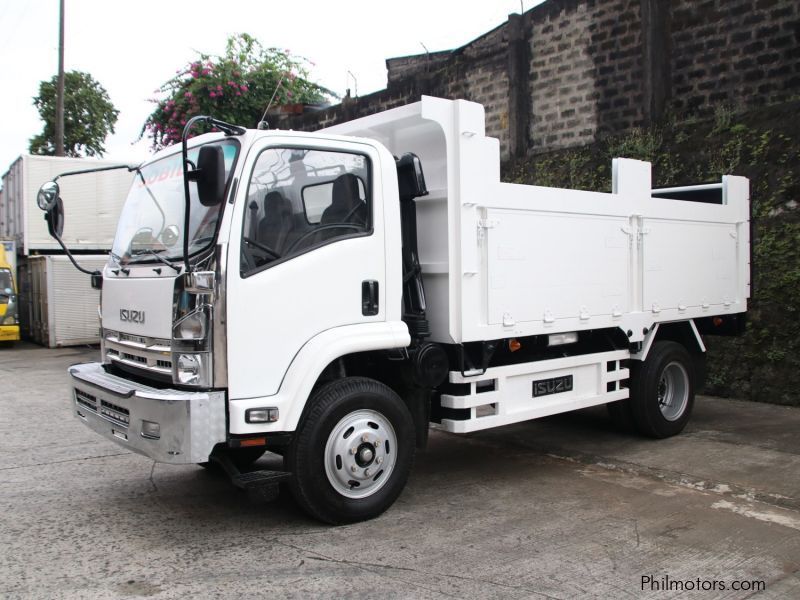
[[369, 298]]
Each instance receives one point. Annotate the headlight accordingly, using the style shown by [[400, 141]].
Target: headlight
[[192, 327], [10, 320], [192, 369]]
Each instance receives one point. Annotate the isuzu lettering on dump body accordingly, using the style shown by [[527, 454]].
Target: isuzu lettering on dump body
[[327, 295]]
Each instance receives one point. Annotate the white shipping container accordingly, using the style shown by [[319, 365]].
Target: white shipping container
[[92, 203], [57, 303]]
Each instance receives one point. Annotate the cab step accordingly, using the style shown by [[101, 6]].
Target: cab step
[[259, 485]]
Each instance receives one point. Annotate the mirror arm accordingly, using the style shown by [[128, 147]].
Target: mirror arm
[[186, 197], [226, 128], [98, 169], [72, 258]]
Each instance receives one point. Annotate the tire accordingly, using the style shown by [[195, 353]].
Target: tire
[[353, 452], [621, 415], [662, 391]]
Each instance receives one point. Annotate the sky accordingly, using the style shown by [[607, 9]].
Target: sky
[[132, 48]]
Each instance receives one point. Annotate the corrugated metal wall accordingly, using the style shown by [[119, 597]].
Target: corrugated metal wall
[[59, 302]]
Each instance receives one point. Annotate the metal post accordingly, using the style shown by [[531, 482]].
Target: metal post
[[60, 85]]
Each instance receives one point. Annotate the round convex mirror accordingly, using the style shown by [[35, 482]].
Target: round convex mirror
[[48, 193]]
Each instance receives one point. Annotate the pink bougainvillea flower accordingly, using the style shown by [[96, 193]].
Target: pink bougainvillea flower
[[187, 95]]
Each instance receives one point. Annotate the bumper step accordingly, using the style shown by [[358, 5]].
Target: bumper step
[[259, 485]]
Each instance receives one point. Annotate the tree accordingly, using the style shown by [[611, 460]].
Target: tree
[[235, 87], [89, 116]]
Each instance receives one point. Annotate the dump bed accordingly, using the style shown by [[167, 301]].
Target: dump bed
[[502, 260]]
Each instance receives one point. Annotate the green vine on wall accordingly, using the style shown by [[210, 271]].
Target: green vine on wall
[[763, 145]]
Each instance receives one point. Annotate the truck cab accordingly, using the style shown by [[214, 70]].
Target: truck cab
[[327, 296], [9, 311]]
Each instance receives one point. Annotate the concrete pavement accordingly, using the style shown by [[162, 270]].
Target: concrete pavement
[[563, 507]]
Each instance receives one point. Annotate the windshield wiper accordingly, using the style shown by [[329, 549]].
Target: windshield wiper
[[158, 257], [152, 197]]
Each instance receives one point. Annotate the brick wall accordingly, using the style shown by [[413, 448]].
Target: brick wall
[[569, 71], [403, 67], [740, 52], [585, 71]]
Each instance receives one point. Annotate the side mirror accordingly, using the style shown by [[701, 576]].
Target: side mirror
[[55, 219], [410, 179], [210, 175], [47, 196], [48, 200]]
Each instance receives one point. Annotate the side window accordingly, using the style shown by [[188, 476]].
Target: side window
[[298, 199]]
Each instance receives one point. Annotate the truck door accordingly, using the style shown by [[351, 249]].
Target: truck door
[[306, 255]]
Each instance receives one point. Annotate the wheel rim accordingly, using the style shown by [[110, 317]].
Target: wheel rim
[[673, 391], [360, 454]]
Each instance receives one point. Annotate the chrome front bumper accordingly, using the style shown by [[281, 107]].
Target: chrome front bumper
[[191, 423]]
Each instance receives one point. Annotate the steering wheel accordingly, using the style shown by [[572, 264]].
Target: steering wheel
[[323, 228], [249, 255], [353, 210]]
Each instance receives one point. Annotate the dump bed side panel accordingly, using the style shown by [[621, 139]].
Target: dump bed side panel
[[504, 260]]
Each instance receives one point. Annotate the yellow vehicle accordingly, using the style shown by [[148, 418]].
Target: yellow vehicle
[[9, 317]]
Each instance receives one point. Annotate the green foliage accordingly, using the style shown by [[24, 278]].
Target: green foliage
[[764, 363], [235, 87], [89, 116]]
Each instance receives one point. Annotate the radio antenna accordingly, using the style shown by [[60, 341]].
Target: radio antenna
[[262, 124]]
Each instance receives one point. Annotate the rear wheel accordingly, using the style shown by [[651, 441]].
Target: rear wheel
[[353, 452], [662, 391]]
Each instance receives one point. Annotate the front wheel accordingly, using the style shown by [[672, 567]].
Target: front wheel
[[353, 452], [662, 391]]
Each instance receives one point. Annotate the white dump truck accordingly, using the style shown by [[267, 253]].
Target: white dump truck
[[327, 296]]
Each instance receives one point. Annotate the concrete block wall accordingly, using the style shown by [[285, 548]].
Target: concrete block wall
[[739, 52]]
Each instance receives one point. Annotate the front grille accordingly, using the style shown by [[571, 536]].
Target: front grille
[[134, 358], [86, 400], [151, 354], [117, 414], [136, 339]]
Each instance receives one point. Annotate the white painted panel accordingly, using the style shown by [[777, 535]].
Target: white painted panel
[[555, 264], [688, 264], [152, 296]]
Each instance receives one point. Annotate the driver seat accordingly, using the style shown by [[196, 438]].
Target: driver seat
[[346, 203], [276, 225]]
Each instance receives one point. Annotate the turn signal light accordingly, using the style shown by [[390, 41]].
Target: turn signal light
[[514, 345], [261, 415], [259, 441]]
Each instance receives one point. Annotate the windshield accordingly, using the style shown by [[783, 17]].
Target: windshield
[[152, 218], [6, 286]]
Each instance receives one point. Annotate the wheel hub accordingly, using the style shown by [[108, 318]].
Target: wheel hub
[[673, 391], [360, 453], [365, 455]]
